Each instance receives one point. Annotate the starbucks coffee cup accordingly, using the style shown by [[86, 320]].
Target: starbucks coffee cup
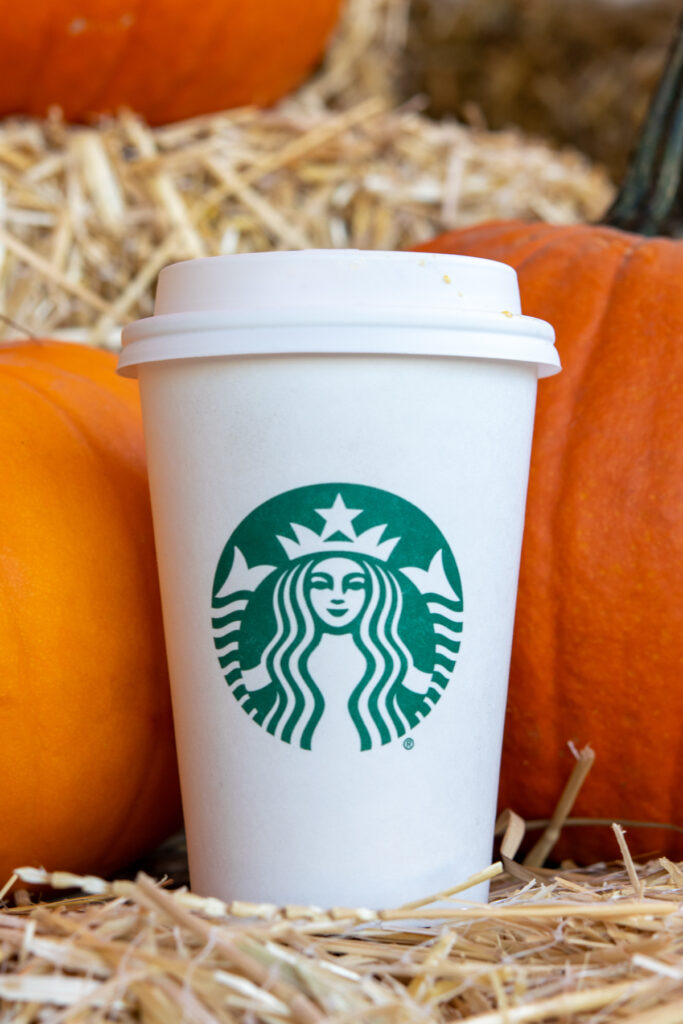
[[338, 447]]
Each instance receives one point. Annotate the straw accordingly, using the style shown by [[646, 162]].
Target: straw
[[89, 215], [540, 851], [576, 947]]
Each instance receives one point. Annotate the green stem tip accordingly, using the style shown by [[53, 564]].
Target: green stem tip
[[650, 201]]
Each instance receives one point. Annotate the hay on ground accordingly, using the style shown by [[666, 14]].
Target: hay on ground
[[577, 946]]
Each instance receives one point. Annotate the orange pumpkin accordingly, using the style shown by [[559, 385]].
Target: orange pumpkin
[[87, 756], [166, 59], [598, 645]]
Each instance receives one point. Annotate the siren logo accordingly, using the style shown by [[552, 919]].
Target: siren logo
[[337, 585]]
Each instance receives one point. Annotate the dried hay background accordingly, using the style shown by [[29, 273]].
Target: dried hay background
[[580, 946], [580, 72], [89, 216]]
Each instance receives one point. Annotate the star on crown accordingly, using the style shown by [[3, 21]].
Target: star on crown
[[338, 534]]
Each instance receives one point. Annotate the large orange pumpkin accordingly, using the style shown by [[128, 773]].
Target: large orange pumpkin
[[166, 59], [87, 757], [598, 645]]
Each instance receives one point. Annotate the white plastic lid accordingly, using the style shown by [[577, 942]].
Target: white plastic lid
[[261, 303]]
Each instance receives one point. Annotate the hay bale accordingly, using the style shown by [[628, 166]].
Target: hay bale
[[580, 73]]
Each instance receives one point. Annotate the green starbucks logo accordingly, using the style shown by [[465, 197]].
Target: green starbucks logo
[[337, 584]]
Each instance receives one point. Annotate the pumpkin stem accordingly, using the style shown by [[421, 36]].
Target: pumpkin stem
[[650, 200]]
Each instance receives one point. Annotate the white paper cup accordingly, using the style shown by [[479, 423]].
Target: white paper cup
[[338, 447]]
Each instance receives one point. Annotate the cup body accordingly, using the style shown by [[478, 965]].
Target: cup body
[[338, 537]]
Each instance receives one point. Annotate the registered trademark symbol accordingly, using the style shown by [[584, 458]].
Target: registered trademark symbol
[[409, 743]]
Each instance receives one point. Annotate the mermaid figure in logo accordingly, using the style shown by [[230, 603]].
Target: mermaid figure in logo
[[336, 645], [336, 594]]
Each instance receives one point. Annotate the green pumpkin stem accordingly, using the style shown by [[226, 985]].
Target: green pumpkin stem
[[650, 201]]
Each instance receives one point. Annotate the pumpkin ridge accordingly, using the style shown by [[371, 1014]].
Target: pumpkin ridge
[[55, 409], [50, 38], [501, 231], [549, 532], [567, 478], [183, 85], [39, 63], [599, 561], [173, 83], [283, 75], [99, 454], [538, 248], [20, 629], [78, 101], [183, 82], [592, 331], [123, 58], [52, 398], [144, 781], [84, 363], [553, 525], [143, 550]]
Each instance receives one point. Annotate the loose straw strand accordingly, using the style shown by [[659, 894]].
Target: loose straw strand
[[638, 886], [539, 852]]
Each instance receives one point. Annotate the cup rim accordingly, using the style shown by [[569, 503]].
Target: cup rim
[[339, 301], [503, 322], [183, 337]]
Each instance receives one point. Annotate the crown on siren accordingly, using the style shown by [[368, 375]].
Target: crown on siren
[[338, 535]]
